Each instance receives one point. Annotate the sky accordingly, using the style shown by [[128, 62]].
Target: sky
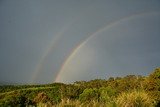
[[46, 41]]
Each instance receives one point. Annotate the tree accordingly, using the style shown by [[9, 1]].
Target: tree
[[89, 95], [107, 94]]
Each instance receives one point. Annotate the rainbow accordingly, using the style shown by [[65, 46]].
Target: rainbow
[[99, 31], [55, 40], [51, 46]]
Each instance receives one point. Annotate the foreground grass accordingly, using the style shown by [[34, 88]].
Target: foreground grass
[[126, 99], [135, 99]]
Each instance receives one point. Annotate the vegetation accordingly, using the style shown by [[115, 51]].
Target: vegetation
[[128, 91]]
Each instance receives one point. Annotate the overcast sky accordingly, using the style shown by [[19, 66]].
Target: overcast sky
[[42, 41]]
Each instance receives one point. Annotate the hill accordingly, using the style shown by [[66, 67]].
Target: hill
[[128, 91]]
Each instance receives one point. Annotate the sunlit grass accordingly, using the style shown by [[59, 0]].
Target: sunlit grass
[[134, 99]]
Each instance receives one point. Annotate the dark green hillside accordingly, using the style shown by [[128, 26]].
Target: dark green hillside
[[136, 91]]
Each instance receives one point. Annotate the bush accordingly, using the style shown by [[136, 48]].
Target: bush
[[41, 97], [134, 99], [89, 95], [107, 94]]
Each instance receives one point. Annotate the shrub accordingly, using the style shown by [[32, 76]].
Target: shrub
[[107, 94], [89, 95], [134, 99], [41, 97]]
